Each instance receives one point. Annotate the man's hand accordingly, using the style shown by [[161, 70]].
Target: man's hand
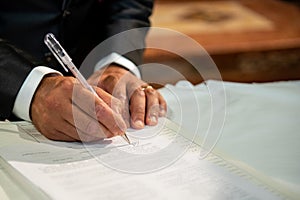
[[63, 110], [141, 104]]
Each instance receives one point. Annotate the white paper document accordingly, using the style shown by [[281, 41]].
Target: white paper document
[[160, 164]]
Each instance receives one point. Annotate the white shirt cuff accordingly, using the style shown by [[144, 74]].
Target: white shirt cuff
[[22, 103], [118, 59]]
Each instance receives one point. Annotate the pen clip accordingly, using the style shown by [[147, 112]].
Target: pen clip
[[56, 49]]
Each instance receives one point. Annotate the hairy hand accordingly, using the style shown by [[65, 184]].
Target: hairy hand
[[63, 110]]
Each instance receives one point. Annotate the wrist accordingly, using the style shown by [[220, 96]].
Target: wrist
[[24, 97]]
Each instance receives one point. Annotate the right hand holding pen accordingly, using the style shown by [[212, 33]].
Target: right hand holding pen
[[63, 110]]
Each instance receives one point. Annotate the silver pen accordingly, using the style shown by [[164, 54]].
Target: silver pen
[[65, 60]]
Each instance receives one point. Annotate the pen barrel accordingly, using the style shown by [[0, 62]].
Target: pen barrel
[[80, 77]]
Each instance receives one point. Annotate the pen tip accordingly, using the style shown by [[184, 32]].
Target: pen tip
[[126, 138]]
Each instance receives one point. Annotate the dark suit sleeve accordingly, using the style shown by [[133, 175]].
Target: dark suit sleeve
[[127, 15], [14, 68]]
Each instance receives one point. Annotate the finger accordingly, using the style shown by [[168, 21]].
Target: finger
[[111, 120], [83, 136], [65, 132], [88, 126], [118, 103], [120, 93], [118, 90], [110, 100], [162, 106], [152, 106], [72, 117], [83, 127], [61, 136], [137, 108], [99, 110], [58, 136], [53, 113]]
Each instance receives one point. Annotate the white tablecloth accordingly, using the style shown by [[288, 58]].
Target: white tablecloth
[[261, 129]]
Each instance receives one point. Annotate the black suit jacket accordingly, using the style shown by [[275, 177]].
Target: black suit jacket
[[78, 24]]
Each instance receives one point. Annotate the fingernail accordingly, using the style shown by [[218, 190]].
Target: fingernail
[[139, 124], [153, 119]]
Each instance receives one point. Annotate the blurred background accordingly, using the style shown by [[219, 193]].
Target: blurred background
[[248, 40]]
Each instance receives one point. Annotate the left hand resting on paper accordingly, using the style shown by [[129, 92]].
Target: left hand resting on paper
[[141, 103]]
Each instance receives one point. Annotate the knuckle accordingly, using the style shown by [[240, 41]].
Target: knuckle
[[51, 103], [48, 102], [139, 93], [151, 92], [66, 84]]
